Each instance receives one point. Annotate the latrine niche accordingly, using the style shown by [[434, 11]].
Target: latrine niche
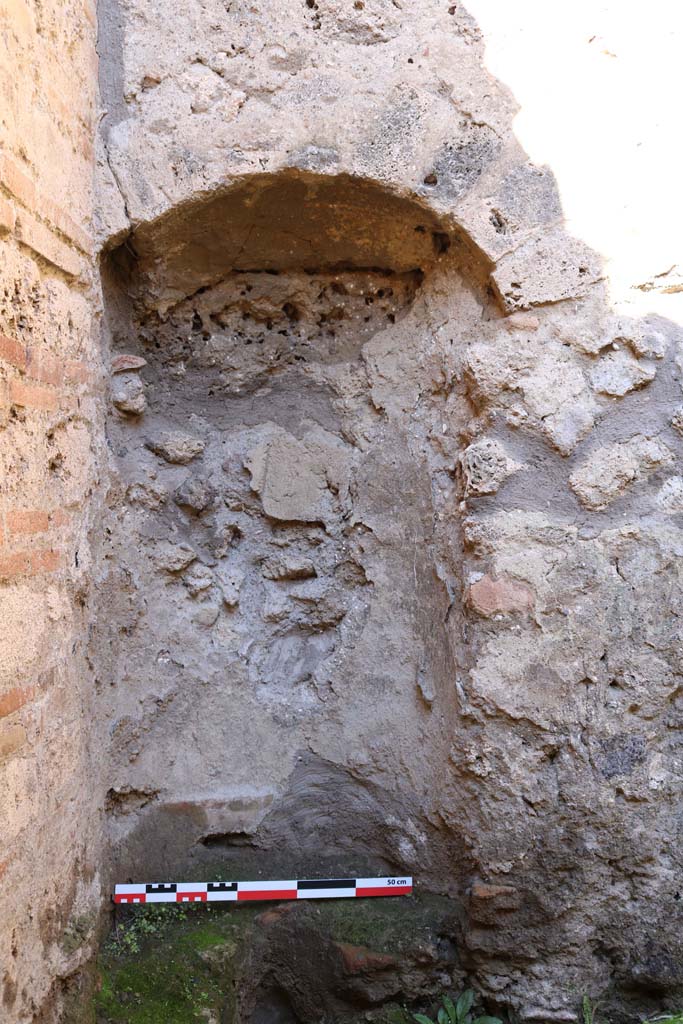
[[275, 646]]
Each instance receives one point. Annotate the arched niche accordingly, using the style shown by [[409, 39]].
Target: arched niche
[[276, 583], [287, 221]]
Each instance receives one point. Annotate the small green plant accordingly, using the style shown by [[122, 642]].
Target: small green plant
[[459, 1012], [588, 1011], [672, 1018], [144, 924]]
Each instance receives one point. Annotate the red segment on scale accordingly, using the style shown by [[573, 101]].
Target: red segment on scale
[[386, 890], [266, 894]]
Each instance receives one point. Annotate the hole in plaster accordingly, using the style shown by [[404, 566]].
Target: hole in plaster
[[498, 221], [223, 839], [274, 1007]]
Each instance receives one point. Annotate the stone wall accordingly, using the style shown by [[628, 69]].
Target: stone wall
[[491, 677], [381, 565], [49, 376]]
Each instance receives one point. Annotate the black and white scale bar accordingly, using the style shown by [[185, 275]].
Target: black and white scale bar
[[289, 889]]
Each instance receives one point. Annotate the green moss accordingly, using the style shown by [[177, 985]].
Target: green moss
[[165, 965], [394, 1014], [106, 993], [78, 932], [170, 967], [388, 926], [172, 990], [201, 937]]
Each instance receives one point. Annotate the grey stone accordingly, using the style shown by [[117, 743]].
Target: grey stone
[[175, 447], [484, 466], [288, 567], [549, 268], [206, 615], [670, 495], [198, 578], [619, 755], [196, 493], [230, 582], [128, 394], [173, 557], [611, 469], [300, 480], [617, 373]]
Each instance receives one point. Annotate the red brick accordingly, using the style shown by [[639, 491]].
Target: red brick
[[14, 565], [13, 352], [75, 372], [7, 217], [126, 361], [64, 223], [46, 244], [23, 188], [12, 739], [500, 597], [45, 561], [4, 403], [275, 914], [489, 902], [24, 521], [59, 518], [16, 182], [44, 367], [15, 699], [28, 563], [33, 397], [359, 959]]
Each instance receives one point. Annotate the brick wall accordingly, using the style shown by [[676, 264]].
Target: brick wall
[[48, 465]]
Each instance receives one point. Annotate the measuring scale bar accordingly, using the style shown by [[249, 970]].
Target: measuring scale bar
[[290, 889]]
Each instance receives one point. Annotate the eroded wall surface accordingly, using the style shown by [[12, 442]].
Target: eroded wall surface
[[275, 558], [49, 358]]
